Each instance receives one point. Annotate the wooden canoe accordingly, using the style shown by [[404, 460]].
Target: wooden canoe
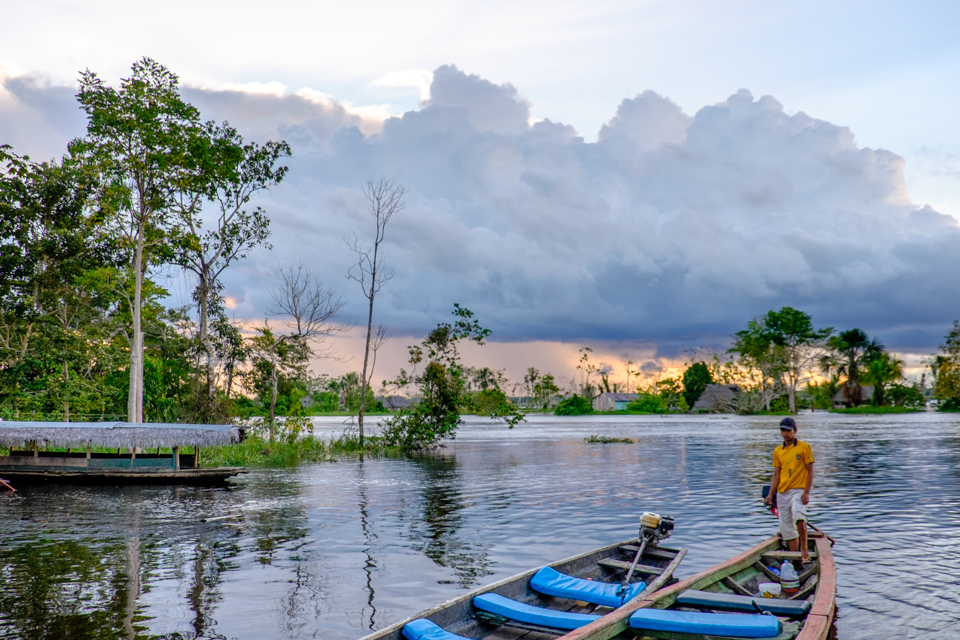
[[739, 575], [607, 565]]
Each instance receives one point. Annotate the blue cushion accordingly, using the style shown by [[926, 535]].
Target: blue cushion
[[425, 630], [520, 612], [553, 583], [732, 602], [732, 625]]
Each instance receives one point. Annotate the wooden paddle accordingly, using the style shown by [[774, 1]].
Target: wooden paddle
[[4, 483]]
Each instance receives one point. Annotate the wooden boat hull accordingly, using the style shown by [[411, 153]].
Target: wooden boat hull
[[457, 615], [816, 625], [112, 477], [110, 469]]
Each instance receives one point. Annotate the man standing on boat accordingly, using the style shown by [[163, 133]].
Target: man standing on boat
[[791, 484]]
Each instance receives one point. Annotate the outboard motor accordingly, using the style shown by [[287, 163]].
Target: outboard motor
[[654, 527]]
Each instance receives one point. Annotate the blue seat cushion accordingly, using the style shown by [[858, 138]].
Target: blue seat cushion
[[732, 625], [732, 602], [551, 582], [421, 629], [513, 610]]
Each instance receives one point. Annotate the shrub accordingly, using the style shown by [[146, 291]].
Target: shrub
[[574, 406], [901, 395], [490, 402], [648, 403]]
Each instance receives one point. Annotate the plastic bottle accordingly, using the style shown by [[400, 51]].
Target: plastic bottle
[[775, 571], [789, 579]]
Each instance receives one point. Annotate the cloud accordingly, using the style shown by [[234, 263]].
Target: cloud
[[672, 228], [489, 107], [418, 78], [36, 117]]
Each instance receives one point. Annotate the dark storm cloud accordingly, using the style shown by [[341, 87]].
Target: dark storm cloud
[[670, 228]]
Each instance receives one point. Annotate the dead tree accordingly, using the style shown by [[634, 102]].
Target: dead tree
[[311, 313], [386, 198]]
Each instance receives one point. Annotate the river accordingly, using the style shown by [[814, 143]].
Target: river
[[334, 550]]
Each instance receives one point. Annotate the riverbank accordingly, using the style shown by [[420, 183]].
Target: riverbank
[[870, 409], [257, 451]]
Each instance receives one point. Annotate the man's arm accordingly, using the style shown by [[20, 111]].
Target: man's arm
[[805, 498], [774, 483]]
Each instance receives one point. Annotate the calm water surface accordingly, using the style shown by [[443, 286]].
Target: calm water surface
[[335, 550]]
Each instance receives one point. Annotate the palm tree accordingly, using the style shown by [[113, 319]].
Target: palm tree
[[882, 370], [851, 355]]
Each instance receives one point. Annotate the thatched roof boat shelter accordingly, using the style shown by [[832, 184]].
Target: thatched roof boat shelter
[[116, 434], [136, 465]]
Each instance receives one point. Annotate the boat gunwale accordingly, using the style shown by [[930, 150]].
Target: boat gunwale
[[816, 625], [617, 621], [825, 601], [397, 627]]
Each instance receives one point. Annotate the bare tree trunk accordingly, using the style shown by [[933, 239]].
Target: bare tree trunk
[[363, 377], [135, 401], [792, 392], [274, 381], [203, 291], [66, 393]]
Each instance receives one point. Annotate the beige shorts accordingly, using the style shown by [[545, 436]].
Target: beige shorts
[[790, 509]]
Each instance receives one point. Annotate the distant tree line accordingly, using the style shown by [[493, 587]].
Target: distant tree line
[[780, 363]]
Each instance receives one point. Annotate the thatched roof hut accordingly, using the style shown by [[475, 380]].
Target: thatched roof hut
[[116, 434], [718, 398]]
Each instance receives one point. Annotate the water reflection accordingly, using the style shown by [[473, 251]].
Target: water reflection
[[437, 530], [334, 550], [66, 589], [369, 563]]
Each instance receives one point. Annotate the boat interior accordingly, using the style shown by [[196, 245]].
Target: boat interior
[[548, 602]]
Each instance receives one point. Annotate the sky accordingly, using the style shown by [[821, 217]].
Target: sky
[[637, 177]]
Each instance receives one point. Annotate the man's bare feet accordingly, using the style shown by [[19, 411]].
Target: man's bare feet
[[805, 559]]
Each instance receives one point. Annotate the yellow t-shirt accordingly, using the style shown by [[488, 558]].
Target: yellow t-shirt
[[792, 462]]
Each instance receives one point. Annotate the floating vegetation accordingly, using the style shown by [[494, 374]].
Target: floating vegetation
[[597, 439]]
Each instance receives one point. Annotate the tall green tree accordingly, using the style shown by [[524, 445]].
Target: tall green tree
[[850, 355], [800, 344], [224, 175], [544, 390], [882, 370], [758, 352], [946, 367], [695, 379], [139, 145]]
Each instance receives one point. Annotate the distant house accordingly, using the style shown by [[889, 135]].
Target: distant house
[[521, 402], [613, 401], [394, 403], [717, 398], [866, 394]]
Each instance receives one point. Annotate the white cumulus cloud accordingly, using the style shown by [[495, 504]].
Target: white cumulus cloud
[[671, 227]]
